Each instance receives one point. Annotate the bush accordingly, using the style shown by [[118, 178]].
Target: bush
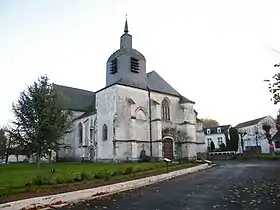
[[128, 170], [116, 173], [40, 180], [86, 176], [60, 180]]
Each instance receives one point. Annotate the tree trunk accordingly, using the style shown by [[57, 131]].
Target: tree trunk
[[50, 157], [7, 157], [38, 159]]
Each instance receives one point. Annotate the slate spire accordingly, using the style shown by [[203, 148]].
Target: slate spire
[[126, 25]]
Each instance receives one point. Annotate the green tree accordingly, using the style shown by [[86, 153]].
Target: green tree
[[234, 139], [3, 143], [39, 122], [223, 147]]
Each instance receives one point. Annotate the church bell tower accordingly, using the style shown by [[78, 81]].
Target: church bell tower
[[126, 66]]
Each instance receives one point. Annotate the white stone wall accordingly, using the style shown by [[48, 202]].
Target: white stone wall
[[74, 149], [200, 138], [106, 106], [132, 122], [125, 110], [178, 114]]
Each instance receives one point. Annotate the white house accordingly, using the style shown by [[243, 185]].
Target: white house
[[128, 116], [217, 135], [255, 135]]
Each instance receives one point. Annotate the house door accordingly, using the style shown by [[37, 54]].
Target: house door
[[168, 148]]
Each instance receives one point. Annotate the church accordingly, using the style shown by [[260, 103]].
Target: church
[[135, 113]]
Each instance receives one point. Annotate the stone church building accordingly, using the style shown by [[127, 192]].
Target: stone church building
[[137, 112]]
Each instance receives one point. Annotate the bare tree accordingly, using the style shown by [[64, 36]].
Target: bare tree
[[206, 123]]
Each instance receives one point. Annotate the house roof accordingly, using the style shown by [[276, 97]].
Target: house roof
[[249, 123], [75, 99], [214, 130]]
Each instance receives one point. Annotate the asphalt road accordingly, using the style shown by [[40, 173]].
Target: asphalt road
[[230, 185]]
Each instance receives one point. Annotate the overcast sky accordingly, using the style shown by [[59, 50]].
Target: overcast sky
[[216, 53]]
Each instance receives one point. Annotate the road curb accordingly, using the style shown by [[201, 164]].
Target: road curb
[[82, 195]]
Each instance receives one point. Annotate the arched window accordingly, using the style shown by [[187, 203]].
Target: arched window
[[165, 110], [80, 133], [105, 132], [140, 113]]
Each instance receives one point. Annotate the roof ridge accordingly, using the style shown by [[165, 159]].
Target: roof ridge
[[256, 120], [73, 88]]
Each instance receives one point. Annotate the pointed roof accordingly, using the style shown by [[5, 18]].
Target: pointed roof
[[126, 26]]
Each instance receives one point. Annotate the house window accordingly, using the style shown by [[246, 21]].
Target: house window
[[209, 141], [220, 140], [208, 131], [105, 132], [135, 67], [114, 66], [219, 130], [165, 110], [80, 133]]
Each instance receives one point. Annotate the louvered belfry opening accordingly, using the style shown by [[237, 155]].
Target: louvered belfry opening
[[114, 66], [135, 67]]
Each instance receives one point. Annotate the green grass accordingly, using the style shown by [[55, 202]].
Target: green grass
[[270, 156], [17, 178]]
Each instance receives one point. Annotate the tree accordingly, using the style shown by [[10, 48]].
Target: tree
[[39, 122], [223, 147], [3, 142], [234, 139], [266, 128], [209, 123]]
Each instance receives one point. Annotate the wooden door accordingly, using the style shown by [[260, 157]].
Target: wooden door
[[168, 148]]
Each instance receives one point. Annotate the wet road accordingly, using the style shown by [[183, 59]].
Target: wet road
[[231, 185]]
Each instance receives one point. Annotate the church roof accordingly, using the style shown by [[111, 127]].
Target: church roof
[[83, 100], [158, 84], [75, 99]]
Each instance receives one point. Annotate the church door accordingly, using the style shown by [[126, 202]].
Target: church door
[[168, 148]]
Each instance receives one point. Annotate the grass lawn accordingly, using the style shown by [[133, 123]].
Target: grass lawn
[[270, 156], [20, 178]]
